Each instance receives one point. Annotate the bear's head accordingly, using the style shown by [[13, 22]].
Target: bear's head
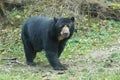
[[64, 27]]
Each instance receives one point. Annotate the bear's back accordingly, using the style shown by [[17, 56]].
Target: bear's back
[[38, 24], [38, 21]]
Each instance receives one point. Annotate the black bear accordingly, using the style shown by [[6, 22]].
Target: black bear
[[49, 34]]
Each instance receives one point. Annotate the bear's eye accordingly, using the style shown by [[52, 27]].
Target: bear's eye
[[68, 25], [60, 28]]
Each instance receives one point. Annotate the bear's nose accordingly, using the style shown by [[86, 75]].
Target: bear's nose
[[65, 34]]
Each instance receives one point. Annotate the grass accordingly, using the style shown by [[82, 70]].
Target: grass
[[73, 57], [35, 74]]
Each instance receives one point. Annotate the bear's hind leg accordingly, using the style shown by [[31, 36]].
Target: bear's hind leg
[[30, 54]]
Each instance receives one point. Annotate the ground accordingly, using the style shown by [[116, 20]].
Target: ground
[[92, 53], [98, 64]]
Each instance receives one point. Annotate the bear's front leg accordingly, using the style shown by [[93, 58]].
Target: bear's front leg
[[54, 61]]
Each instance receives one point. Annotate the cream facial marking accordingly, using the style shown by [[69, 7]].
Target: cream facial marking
[[65, 32]]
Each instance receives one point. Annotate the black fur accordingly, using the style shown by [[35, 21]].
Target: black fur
[[41, 33]]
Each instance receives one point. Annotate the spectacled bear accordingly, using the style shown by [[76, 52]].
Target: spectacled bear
[[49, 34]]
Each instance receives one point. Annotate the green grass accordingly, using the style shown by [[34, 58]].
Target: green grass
[[53, 75], [74, 56]]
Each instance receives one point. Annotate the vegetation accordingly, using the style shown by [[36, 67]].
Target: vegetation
[[91, 54]]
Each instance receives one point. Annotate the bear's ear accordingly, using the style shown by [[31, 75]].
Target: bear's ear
[[55, 19], [72, 18]]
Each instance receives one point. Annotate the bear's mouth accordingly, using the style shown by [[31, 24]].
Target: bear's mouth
[[63, 36]]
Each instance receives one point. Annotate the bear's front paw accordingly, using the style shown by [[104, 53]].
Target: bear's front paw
[[31, 63], [60, 68]]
